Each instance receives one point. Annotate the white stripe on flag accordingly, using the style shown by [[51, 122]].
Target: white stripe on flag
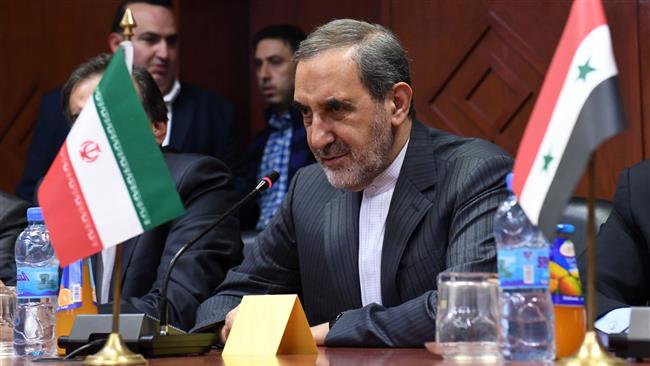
[[596, 48], [101, 180]]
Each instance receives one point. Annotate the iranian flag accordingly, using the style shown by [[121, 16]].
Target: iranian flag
[[577, 109], [109, 182]]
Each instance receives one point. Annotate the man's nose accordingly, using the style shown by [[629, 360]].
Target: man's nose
[[263, 71], [320, 132], [162, 50]]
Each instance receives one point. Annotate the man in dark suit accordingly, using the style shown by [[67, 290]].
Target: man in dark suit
[[282, 145], [362, 237], [12, 222], [206, 190], [623, 252], [199, 121]]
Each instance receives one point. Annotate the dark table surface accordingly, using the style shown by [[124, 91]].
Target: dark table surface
[[326, 356]]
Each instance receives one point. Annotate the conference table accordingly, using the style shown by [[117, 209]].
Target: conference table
[[326, 356]]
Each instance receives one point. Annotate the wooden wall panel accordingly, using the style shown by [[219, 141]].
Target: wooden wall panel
[[41, 42], [478, 67], [213, 51], [644, 69]]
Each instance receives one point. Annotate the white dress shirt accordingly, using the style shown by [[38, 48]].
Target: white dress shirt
[[169, 100], [372, 224], [108, 261]]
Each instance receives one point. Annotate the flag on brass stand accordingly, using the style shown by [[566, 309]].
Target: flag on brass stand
[[577, 109], [109, 182]]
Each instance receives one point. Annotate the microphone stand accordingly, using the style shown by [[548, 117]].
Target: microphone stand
[[264, 184], [144, 333]]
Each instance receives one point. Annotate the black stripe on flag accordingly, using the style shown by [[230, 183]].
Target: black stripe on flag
[[600, 118]]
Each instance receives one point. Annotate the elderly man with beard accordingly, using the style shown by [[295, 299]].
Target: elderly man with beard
[[362, 236]]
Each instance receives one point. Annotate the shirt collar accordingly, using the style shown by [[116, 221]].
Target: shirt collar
[[173, 93], [280, 122], [388, 178]]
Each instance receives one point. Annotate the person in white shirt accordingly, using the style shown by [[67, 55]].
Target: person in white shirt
[[362, 235]]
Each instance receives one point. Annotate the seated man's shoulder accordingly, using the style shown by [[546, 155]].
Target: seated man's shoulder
[[51, 108], [450, 147], [52, 96], [190, 162], [202, 95], [640, 171], [12, 206]]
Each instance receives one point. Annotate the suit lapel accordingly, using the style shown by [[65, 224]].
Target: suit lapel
[[341, 240], [182, 117], [407, 208]]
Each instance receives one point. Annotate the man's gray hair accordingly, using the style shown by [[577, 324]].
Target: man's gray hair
[[380, 58]]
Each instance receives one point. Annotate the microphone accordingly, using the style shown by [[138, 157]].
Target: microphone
[[264, 184], [141, 332]]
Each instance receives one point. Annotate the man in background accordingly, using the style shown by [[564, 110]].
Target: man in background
[[282, 145], [199, 121], [206, 190]]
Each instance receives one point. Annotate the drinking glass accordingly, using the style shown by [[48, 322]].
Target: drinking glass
[[467, 318], [7, 308]]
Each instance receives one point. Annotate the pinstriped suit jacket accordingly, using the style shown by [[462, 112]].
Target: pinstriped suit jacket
[[440, 219]]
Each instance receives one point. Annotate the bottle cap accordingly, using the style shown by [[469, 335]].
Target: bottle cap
[[565, 229], [509, 179], [34, 214]]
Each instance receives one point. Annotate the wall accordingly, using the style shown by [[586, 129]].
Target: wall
[[477, 65]]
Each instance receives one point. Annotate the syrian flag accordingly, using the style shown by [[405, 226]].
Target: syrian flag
[[577, 109], [109, 182]]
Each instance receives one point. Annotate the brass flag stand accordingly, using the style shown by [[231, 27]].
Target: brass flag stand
[[115, 351], [591, 352]]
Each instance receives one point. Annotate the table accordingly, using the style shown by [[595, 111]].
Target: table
[[326, 357]]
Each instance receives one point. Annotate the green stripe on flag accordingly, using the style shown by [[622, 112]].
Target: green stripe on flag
[[138, 156]]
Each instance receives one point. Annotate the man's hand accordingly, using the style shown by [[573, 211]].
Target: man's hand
[[227, 325], [319, 332]]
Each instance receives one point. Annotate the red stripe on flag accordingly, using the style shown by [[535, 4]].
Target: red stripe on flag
[[585, 15], [71, 226]]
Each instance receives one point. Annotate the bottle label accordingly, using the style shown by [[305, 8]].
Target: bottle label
[[565, 286], [523, 268], [70, 292], [36, 282]]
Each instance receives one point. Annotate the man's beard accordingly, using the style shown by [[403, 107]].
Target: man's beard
[[366, 163]]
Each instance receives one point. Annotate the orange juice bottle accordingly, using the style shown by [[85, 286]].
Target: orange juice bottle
[[76, 296], [566, 292]]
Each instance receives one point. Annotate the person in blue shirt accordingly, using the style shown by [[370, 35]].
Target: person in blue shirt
[[282, 145]]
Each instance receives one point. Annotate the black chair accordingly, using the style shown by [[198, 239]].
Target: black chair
[[575, 213]]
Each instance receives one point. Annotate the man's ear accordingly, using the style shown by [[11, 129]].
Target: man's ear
[[159, 131], [400, 103], [114, 40]]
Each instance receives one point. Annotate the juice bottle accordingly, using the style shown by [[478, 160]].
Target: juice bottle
[[76, 296], [566, 292]]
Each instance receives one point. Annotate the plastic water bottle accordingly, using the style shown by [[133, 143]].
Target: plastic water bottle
[[526, 307], [37, 281]]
